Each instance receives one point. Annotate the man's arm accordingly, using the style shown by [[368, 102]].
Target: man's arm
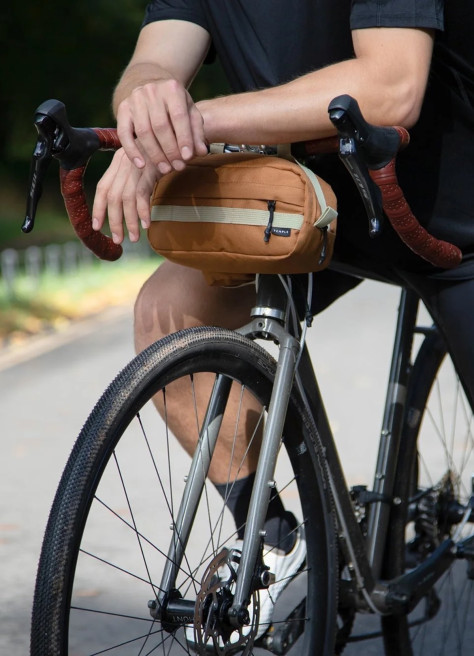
[[151, 103], [159, 125], [387, 77]]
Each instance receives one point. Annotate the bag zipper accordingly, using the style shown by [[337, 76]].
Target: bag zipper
[[268, 230], [322, 255]]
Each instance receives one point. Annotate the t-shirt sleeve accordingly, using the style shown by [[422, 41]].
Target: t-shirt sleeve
[[397, 13], [188, 10]]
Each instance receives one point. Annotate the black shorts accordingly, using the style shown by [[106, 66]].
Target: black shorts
[[448, 297]]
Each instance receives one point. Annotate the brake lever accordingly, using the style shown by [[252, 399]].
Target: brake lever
[[352, 128], [370, 193], [42, 155], [72, 147]]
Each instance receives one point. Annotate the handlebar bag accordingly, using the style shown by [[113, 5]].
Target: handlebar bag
[[237, 214]]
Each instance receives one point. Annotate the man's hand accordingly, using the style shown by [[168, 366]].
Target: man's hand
[[158, 124], [123, 193], [156, 116], [160, 119]]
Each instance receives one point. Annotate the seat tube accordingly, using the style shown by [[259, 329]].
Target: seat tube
[[391, 429]]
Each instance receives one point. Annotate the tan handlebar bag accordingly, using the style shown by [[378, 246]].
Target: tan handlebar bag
[[237, 214]]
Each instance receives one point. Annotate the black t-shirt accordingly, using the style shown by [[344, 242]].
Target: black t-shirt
[[443, 139], [269, 42], [261, 43]]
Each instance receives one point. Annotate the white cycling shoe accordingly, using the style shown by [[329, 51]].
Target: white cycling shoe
[[283, 567]]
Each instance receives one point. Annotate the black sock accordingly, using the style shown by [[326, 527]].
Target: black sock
[[280, 524]]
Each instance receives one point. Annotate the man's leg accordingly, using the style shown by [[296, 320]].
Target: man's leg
[[177, 297], [451, 304]]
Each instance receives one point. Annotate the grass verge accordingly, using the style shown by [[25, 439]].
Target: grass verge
[[54, 300]]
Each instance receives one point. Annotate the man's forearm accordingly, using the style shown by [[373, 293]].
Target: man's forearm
[[296, 111], [389, 89]]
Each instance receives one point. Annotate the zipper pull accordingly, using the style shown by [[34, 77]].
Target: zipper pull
[[322, 255], [268, 230]]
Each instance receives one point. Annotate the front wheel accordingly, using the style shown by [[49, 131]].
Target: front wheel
[[116, 574], [433, 482]]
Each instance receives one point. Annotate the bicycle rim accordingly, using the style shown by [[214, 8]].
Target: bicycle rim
[[109, 531], [434, 475]]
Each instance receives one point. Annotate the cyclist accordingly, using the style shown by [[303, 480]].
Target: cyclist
[[285, 62]]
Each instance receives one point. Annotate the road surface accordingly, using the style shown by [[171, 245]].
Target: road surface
[[48, 387]]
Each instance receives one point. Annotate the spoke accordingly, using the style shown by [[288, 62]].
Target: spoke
[[454, 420], [155, 466], [442, 426], [162, 486], [96, 611], [154, 546], [170, 477], [120, 569], [231, 460], [145, 636], [199, 432], [293, 532], [145, 563], [166, 637], [439, 430]]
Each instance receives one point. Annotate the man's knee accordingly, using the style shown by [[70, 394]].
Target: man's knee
[[177, 297]]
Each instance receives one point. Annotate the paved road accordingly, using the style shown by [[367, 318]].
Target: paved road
[[44, 401], [48, 387]]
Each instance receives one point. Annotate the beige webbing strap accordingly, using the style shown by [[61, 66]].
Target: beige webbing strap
[[232, 215], [328, 213]]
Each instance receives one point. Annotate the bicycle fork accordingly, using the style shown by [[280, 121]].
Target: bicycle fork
[[168, 606], [264, 477], [267, 321]]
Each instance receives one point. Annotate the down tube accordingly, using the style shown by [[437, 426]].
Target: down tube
[[309, 390]]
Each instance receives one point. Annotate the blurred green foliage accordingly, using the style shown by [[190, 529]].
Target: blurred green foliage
[[52, 301], [75, 52]]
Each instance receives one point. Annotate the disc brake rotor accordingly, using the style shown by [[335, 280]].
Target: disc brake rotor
[[212, 630]]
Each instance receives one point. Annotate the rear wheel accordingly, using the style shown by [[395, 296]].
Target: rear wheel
[[116, 513], [434, 483]]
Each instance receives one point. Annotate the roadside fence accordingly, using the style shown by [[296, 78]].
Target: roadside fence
[[36, 261]]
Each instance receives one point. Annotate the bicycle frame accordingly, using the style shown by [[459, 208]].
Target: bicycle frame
[[366, 553], [363, 555], [268, 314]]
